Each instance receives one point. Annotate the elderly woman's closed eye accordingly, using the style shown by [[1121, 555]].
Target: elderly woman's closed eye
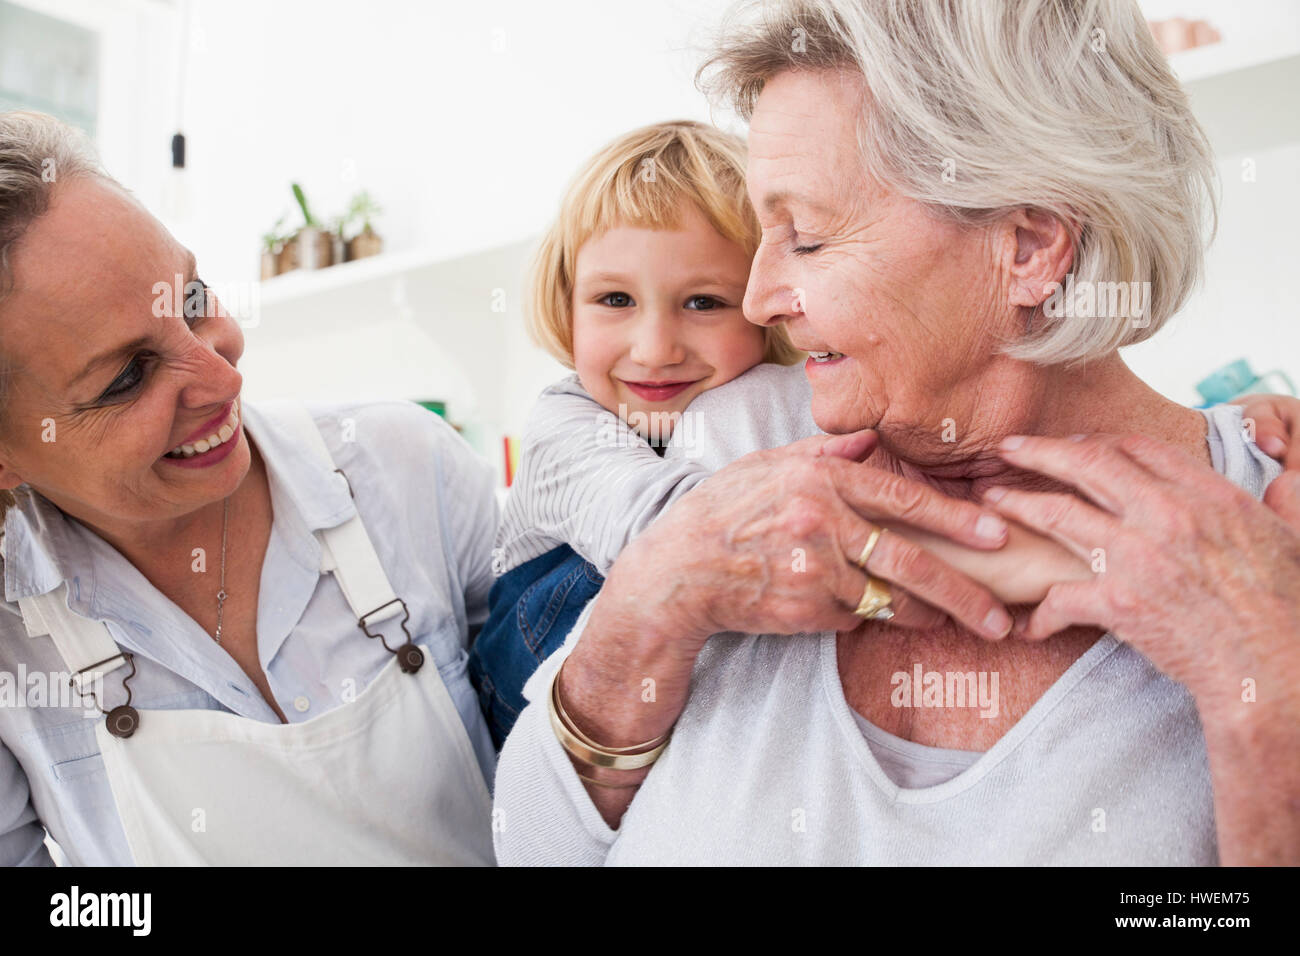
[[934, 182]]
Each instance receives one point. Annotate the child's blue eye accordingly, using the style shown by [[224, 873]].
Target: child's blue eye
[[709, 303], [625, 300]]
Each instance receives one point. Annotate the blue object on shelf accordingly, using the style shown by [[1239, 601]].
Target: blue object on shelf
[[1237, 378]]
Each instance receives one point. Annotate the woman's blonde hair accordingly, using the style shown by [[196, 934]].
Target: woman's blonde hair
[[640, 180], [978, 108]]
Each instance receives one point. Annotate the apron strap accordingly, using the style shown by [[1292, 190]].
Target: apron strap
[[89, 650], [87, 646], [346, 549]]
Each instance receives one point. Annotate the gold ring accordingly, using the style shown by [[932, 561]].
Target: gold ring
[[869, 547], [875, 602]]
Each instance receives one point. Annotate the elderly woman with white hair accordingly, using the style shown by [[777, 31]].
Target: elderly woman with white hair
[[929, 177]]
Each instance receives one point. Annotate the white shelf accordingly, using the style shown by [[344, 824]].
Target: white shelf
[[1243, 88], [1217, 60], [415, 324], [302, 284]]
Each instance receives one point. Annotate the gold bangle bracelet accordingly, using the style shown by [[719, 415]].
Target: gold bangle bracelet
[[593, 754], [611, 786], [601, 748]]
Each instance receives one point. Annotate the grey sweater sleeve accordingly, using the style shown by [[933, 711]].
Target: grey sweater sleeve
[[585, 479]]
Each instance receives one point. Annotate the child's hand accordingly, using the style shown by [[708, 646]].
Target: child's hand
[[1021, 572], [1277, 418], [855, 446]]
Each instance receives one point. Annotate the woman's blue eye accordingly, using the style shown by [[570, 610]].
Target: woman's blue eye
[[626, 300], [710, 303]]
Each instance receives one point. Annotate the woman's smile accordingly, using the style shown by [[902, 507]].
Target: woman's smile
[[823, 358], [213, 446]]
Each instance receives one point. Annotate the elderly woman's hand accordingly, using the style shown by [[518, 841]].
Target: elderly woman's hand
[[1205, 581], [769, 545], [1191, 570]]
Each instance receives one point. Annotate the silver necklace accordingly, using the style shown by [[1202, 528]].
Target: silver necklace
[[221, 595]]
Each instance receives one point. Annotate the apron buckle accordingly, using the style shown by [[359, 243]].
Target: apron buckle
[[123, 719], [409, 657]]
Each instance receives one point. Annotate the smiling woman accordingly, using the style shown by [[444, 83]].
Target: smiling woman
[[123, 385], [203, 568]]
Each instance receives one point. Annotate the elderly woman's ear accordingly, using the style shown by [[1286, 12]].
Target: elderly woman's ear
[[1041, 251]]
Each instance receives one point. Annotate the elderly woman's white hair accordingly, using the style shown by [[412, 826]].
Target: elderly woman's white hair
[[976, 108]]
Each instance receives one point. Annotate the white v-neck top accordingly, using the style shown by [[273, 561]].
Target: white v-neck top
[[767, 764], [908, 764]]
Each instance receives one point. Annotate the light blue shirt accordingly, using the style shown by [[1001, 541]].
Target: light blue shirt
[[427, 502]]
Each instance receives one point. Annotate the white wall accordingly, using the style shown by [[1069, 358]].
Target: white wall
[[1247, 306], [464, 119]]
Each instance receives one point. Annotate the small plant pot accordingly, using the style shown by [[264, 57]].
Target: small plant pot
[[286, 260], [365, 243], [270, 264], [315, 250], [308, 249]]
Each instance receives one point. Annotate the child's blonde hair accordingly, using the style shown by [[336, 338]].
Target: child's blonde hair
[[640, 180]]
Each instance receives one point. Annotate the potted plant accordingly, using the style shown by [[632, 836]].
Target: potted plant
[[272, 248], [338, 238], [310, 248], [367, 242]]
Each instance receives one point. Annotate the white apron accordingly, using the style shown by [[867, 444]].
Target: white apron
[[389, 778]]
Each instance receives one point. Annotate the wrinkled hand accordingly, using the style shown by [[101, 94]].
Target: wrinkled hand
[[1199, 576], [768, 544]]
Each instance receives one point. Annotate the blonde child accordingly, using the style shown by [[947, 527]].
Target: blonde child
[[638, 287]]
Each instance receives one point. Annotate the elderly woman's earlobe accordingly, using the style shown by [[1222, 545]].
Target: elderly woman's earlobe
[[1043, 251]]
